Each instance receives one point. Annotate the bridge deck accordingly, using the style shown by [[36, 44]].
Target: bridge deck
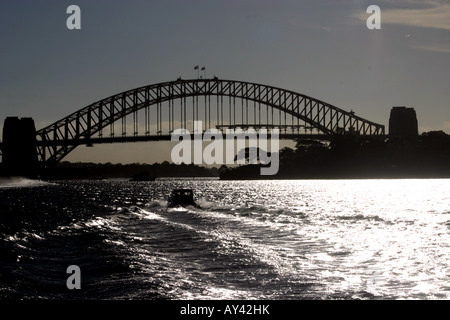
[[124, 139]]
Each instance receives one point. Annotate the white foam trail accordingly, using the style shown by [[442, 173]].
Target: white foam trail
[[156, 203], [21, 182]]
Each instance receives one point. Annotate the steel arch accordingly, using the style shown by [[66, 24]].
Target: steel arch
[[60, 138]]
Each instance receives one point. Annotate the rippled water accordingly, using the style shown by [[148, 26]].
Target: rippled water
[[313, 239]]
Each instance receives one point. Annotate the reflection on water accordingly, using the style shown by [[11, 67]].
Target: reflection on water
[[314, 239]]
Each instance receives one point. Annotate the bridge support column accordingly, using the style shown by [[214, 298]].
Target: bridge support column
[[403, 122], [19, 156]]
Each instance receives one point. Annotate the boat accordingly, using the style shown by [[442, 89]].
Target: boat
[[181, 197]]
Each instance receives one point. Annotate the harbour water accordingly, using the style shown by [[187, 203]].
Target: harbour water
[[265, 239]]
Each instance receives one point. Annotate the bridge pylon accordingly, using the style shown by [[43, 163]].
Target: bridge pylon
[[19, 153]]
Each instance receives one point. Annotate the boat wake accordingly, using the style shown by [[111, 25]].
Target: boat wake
[[21, 182]]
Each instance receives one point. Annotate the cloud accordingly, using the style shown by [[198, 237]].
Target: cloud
[[437, 17], [434, 15]]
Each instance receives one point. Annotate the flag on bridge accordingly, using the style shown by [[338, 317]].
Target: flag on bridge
[[203, 68], [196, 67]]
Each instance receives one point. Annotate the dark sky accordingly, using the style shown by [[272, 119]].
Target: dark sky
[[319, 48]]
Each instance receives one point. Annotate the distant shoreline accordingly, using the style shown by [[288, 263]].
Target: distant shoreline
[[346, 157], [101, 171]]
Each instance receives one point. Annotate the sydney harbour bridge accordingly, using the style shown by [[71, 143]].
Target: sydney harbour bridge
[[153, 112]]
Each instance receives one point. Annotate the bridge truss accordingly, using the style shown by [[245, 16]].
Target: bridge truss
[[153, 112]]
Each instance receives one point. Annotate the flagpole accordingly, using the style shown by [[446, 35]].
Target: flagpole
[[198, 71]]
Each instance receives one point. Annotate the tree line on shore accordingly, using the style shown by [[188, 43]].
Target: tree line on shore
[[138, 171], [350, 156]]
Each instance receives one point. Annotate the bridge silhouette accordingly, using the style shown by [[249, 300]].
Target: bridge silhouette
[[153, 112]]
